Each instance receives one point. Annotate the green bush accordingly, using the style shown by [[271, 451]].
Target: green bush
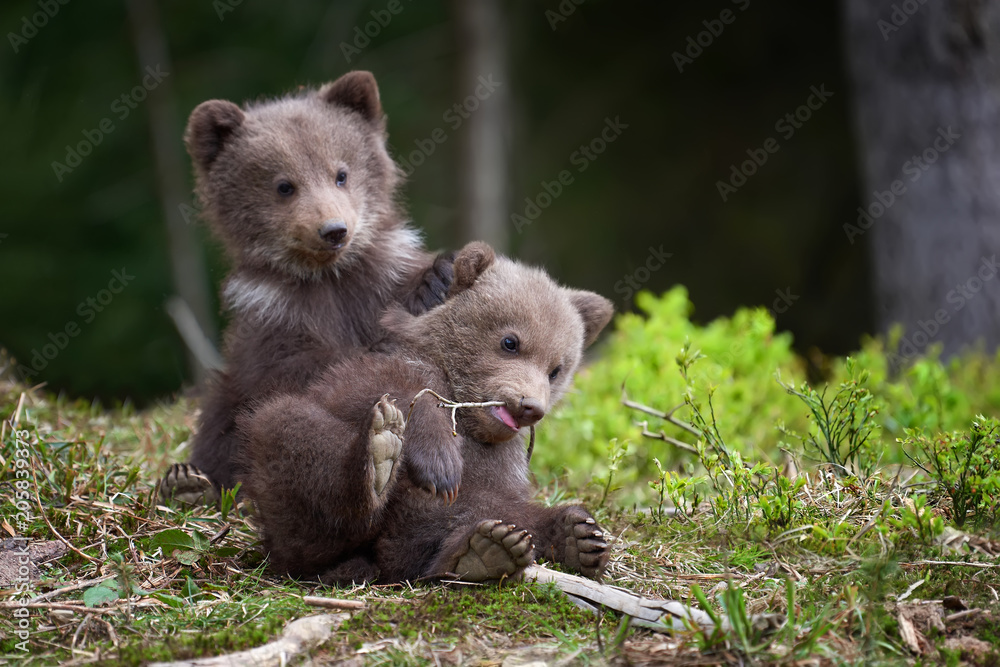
[[965, 467], [740, 362], [741, 354]]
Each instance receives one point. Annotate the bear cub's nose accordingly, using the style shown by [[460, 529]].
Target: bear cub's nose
[[531, 413], [333, 232]]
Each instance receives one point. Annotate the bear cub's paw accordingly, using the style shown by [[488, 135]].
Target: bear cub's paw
[[435, 465], [385, 441], [586, 549], [494, 550], [187, 485]]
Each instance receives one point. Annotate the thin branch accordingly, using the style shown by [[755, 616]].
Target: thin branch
[[952, 562], [58, 606], [333, 603], [72, 587], [666, 416], [445, 402], [48, 523], [665, 438]]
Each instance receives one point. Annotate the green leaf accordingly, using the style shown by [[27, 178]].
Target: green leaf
[[186, 556], [170, 540], [190, 589], [201, 543], [106, 591], [171, 600]]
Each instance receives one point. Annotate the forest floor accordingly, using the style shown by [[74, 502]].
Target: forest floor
[[116, 578]]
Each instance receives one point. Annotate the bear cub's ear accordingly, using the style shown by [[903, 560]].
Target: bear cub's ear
[[470, 262], [209, 127], [595, 310], [356, 91]]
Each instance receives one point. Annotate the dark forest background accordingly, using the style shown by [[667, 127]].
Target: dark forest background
[[777, 241]]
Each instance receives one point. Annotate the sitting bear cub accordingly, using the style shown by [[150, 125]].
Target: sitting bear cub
[[350, 486], [302, 191]]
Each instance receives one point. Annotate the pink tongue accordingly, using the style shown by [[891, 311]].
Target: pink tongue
[[503, 414]]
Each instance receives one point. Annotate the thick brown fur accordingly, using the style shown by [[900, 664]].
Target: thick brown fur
[[301, 191], [310, 470]]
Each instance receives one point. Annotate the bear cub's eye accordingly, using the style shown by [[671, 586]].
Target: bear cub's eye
[[510, 343], [554, 374], [341, 178], [286, 189]]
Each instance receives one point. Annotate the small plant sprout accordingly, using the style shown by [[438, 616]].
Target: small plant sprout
[[616, 452], [844, 425]]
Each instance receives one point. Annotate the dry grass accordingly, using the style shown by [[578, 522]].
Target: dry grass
[[93, 468]]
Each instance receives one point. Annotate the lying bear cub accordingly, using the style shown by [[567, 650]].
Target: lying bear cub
[[350, 486]]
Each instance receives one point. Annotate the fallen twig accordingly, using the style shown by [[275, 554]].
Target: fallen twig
[[299, 636], [952, 562], [661, 615], [961, 614], [333, 603], [41, 510], [56, 605], [72, 587]]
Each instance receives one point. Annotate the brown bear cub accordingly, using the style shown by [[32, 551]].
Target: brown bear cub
[[350, 487], [301, 191]]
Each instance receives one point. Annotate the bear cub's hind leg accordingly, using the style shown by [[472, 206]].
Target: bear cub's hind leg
[[491, 550], [385, 442]]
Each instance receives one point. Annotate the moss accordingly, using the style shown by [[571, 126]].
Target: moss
[[527, 611]]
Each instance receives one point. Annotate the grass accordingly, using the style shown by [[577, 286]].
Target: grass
[[851, 562]]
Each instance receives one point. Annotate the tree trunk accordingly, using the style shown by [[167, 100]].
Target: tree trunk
[[926, 80], [482, 40], [186, 258]]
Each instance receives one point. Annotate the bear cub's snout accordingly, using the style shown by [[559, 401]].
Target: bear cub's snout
[[333, 232]]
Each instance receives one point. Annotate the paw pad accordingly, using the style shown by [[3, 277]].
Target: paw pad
[[385, 441], [495, 550]]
